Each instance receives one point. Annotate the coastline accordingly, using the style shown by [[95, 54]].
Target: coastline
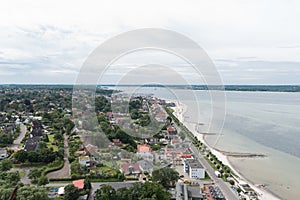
[[179, 111]]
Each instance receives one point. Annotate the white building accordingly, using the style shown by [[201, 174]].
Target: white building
[[3, 154], [85, 161], [194, 169]]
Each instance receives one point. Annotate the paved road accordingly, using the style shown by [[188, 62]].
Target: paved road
[[24, 179], [225, 187], [18, 140], [65, 171]]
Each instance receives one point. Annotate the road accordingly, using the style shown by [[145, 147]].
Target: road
[[65, 171], [225, 187], [18, 140]]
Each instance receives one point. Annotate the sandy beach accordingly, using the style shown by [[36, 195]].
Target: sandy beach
[[179, 112]]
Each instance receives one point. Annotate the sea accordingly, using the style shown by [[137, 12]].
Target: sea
[[254, 122]]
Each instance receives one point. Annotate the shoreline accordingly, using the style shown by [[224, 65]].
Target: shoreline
[[264, 193]]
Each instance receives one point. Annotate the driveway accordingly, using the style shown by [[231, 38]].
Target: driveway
[[65, 171], [25, 180]]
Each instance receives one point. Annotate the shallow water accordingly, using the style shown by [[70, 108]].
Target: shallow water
[[256, 122]]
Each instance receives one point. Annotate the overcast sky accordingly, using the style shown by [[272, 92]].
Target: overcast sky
[[250, 42]]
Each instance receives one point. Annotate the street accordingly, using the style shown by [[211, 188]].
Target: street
[[225, 187]]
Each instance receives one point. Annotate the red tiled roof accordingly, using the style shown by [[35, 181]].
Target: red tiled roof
[[171, 129], [144, 148], [79, 184], [186, 155]]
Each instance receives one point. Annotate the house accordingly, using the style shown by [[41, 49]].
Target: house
[[145, 152], [61, 191], [91, 149], [79, 184], [172, 132], [130, 169], [109, 115], [117, 142], [3, 154], [144, 148], [145, 166], [194, 168], [37, 129], [85, 161], [32, 143], [160, 116], [176, 141], [172, 154]]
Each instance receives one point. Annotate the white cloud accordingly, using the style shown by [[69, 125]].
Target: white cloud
[[57, 36]]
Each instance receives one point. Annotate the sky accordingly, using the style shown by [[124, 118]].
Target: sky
[[250, 42]]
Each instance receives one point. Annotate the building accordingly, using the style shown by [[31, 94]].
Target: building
[[187, 192], [79, 184], [172, 132], [32, 143], [85, 161], [130, 169], [3, 154], [91, 149], [194, 168], [145, 152], [145, 166]]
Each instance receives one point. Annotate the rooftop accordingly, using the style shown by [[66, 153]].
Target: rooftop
[[79, 183], [144, 148], [194, 163]]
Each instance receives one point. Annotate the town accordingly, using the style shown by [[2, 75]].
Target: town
[[137, 149]]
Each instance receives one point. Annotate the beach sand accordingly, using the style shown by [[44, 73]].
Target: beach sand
[[179, 112]]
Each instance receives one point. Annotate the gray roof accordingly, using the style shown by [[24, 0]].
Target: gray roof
[[194, 163]]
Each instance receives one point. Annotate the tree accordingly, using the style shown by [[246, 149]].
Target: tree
[[71, 192], [151, 190], [34, 173], [5, 193], [31, 193], [58, 137], [21, 156], [147, 190], [87, 184], [106, 192], [43, 180], [5, 165], [231, 182], [165, 176]]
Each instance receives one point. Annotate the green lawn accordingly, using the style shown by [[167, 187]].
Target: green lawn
[[22, 174], [51, 140]]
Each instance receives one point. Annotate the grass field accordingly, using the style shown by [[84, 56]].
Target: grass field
[[51, 140]]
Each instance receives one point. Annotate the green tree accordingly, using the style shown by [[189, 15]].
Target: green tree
[[150, 190], [106, 192], [43, 180], [34, 173], [21, 156], [165, 176], [5, 193], [71, 192], [31, 193], [5, 165]]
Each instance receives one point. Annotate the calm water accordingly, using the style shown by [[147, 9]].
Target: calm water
[[261, 122]]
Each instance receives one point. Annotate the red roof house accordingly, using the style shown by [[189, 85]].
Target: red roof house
[[79, 184]]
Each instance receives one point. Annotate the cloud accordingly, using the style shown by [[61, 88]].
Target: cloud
[[241, 37]]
